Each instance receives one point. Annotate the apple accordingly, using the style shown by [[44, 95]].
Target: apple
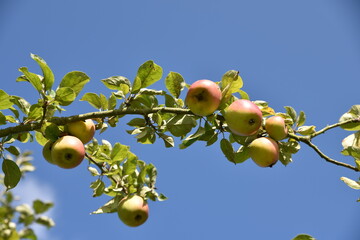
[[243, 117], [276, 128], [67, 152], [203, 97], [84, 130], [133, 210], [264, 151], [47, 151]]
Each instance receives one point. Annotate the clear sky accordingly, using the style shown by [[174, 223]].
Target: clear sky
[[304, 54]]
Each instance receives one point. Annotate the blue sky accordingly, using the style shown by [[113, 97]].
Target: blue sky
[[304, 54]]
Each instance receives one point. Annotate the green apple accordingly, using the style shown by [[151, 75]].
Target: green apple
[[67, 152], [276, 128], [243, 117], [203, 97], [264, 151], [133, 210], [83, 130], [47, 151]]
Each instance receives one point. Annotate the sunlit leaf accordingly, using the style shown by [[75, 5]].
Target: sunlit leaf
[[227, 150], [33, 78], [174, 83], [75, 80], [148, 73], [65, 96], [351, 183], [5, 100], [48, 79], [303, 237], [41, 207], [93, 99]]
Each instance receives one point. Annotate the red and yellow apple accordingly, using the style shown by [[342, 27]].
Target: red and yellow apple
[[243, 117], [83, 130], [67, 152], [133, 210], [203, 97], [276, 128], [264, 151]]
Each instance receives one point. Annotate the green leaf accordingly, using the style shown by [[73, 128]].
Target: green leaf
[[33, 78], [351, 183], [12, 173], [192, 138], [119, 152], [75, 80], [98, 187], [109, 207], [174, 83], [93, 99], [118, 83], [5, 100], [65, 96], [41, 207], [40, 138], [137, 122], [129, 165], [242, 155], [227, 149], [13, 150], [47, 73], [51, 131], [303, 237], [23, 105], [45, 221], [180, 125], [231, 82], [301, 119], [353, 113], [306, 130], [148, 73], [291, 112], [2, 119], [36, 112], [168, 140], [112, 102]]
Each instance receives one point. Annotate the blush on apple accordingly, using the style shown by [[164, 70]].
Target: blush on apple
[[243, 117], [203, 97], [67, 152]]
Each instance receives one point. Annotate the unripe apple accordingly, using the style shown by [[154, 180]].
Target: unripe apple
[[67, 152], [47, 151], [276, 128], [264, 151], [243, 117], [133, 210], [83, 130], [203, 97]]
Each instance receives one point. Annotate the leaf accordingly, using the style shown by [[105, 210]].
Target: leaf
[[137, 122], [41, 207], [65, 96], [174, 83], [306, 130], [45, 221], [98, 187], [112, 102], [47, 73], [5, 100], [75, 80], [148, 73], [192, 138], [301, 119], [36, 112], [109, 207], [351, 183], [118, 83], [242, 155], [2, 119], [303, 237], [12, 173], [93, 171], [93, 99], [13, 150], [180, 125], [231, 82], [227, 149], [129, 165], [353, 113], [292, 113], [168, 140], [33, 78], [51, 131], [23, 105], [119, 152]]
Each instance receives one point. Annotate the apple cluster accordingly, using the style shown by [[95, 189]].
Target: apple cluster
[[68, 151], [243, 118]]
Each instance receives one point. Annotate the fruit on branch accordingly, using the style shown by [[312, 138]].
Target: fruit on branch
[[67, 152], [133, 210], [243, 117], [83, 130], [264, 151], [276, 128], [47, 151], [203, 97]]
